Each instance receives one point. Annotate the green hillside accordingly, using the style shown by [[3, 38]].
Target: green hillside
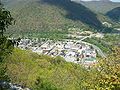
[[33, 70], [44, 15], [104, 9], [36, 16], [114, 14], [100, 6], [40, 72], [24, 68]]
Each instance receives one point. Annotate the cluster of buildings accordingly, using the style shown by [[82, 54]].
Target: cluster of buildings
[[71, 51]]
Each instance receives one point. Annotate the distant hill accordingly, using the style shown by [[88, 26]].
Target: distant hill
[[51, 15], [114, 14], [41, 15], [76, 12], [102, 6]]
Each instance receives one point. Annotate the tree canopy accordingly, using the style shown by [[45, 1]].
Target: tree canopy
[[6, 45], [5, 19]]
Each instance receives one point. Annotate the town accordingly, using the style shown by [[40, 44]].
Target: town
[[71, 50]]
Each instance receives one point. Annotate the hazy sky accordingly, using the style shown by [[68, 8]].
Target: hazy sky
[[98, 0], [116, 0]]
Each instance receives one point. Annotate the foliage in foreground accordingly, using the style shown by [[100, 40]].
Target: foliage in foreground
[[41, 72], [6, 46], [110, 71], [106, 75], [5, 19], [29, 69]]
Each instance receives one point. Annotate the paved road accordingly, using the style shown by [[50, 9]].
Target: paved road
[[100, 52], [87, 37]]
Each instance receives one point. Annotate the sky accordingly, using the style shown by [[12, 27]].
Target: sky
[[98, 0], [116, 0]]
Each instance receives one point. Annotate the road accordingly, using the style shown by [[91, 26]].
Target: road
[[87, 37], [99, 51]]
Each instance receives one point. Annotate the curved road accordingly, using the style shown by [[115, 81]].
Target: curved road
[[100, 52]]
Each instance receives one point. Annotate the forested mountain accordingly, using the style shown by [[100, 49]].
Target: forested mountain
[[114, 14], [52, 15], [37, 15], [24, 68], [102, 6]]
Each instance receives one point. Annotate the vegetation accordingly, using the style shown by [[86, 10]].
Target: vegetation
[[106, 43], [102, 44], [54, 35], [105, 11], [5, 20], [106, 75], [112, 39], [40, 72], [33, 16], [6, 46], [44, 15], [103, 8], [114, 14]]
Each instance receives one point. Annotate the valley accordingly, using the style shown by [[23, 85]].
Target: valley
[[59, 45], [75, 51]]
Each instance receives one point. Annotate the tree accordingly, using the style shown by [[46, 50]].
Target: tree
[[6, 45], [5, 19], [106, 76]]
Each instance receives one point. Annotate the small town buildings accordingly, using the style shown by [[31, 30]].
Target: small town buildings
[[71, 51]]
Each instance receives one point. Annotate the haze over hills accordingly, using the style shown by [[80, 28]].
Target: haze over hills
[[114, 14], [102, 6]]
